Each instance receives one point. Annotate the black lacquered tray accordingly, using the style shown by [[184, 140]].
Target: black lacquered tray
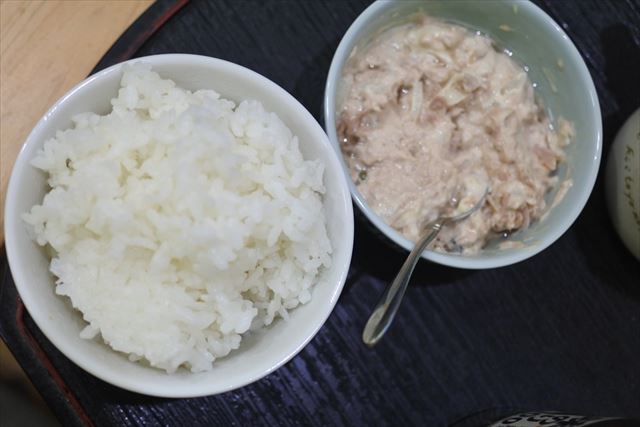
[[560, 331]]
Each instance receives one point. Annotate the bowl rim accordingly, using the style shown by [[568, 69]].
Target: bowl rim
[[454, 260], [12, 218]]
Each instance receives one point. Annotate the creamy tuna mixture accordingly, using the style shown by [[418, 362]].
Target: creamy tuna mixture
[[432, 112]]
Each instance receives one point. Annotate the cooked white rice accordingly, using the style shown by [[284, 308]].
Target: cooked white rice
[[180, 221]]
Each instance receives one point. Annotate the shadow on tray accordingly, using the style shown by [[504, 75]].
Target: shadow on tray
[[377, 256], [595, 233]]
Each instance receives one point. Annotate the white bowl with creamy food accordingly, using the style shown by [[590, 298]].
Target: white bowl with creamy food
[[433, 100], [206, 239]]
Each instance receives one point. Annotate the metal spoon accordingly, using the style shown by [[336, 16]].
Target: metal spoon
[[388, 305]]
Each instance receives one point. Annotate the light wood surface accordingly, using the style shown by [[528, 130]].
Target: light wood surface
[[46, 47]]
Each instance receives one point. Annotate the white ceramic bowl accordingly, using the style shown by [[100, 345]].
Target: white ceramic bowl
[[568, 91], [623, 183], [260, 353]]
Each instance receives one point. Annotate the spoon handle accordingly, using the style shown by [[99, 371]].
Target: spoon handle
[[390, 301]]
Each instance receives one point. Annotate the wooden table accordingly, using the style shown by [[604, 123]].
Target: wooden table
[[46, 48]]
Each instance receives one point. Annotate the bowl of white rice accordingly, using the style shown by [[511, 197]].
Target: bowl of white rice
[[178, 225]]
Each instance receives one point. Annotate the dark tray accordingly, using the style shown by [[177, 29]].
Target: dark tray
[[559, 331]]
